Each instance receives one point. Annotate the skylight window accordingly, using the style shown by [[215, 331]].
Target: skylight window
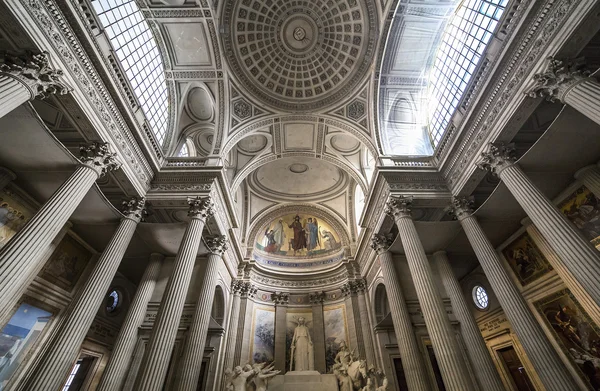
[[134, 44], [184, 152], [462, 46]]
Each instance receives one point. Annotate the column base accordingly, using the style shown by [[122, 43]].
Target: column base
[[302, 381]]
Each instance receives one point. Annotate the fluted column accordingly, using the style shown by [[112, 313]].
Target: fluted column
[[568, 82], [156, 360], [21, 257], [365, 325], [280, 301], [6, 176], [25, 77], [546, 362], [417, 377], [62, 350], [590, 176], [120, 359], [447, 352], [238, 287], [136, 361], [481, 360], [577, 254], [193, 350]]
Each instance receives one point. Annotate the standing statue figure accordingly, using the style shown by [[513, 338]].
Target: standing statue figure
[[262, 376], [344, 356], [302, 358], [384, 386]]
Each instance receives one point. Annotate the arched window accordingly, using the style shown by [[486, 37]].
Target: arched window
[[135, 47], [113, 301], [463, 43], [382, 306], [218, 308], [184, 152]]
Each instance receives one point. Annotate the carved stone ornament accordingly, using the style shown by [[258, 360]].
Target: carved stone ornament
[[216, 244], [243, 288], [35, 72], [135, 208], [317, 298], [559, 77], [201, 207], [281, 298], [399, 207], [497, 158], [380, 243], [98, 156], [461, 207]]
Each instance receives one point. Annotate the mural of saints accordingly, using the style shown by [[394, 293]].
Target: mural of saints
[[298, 242]]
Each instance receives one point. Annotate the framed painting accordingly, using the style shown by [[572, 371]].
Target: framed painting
[[336, 332], [525, 259], [66, 264], [263, 335], [582, 208]]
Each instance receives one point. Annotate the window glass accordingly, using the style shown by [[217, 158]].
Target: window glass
[[480, 297]]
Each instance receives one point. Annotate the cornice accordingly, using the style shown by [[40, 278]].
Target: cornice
[[269, 280]]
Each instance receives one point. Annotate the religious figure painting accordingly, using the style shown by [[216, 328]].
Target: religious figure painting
[[66, 264], [336, 335], [298, 235], [298, 336], [525, 259], [575, 332], [263, 340], [13, 216], [17, 337], [582, 208]]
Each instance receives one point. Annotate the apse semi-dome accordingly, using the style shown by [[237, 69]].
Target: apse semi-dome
[[299, 55]]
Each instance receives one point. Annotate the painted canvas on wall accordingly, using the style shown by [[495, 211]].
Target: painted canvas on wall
[[263, 332], [298, 235], [66, 263], [574, 331], [13, 216], [336, 331], [525, 259], [291, 321], [583, 210], [17, 337]]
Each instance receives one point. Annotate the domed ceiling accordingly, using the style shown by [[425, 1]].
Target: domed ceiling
[[300, 55]]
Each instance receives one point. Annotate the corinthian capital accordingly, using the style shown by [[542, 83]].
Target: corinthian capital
[[399, 207], [381, 243], [558, 78], [35, 72], [317, 298], [201, 208], [497, 157], [216, 244], [461, 207], [135, 208], [98, 156], [281, 298]]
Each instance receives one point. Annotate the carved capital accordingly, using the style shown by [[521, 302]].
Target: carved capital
[[243, 288], [558, 78], [498, 157], [360, 285], [135, 208], [34, 71], [201, 208], [399, 207], [98, 156], [461, 207], [216, 244], [317, 297], [281, 298], [381, 243]]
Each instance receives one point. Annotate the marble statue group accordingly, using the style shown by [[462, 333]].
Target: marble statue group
[[353, 375], [249, 377]]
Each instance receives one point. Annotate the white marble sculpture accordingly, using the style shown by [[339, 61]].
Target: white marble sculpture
[[237, 379], [262, 375], [302, 357]]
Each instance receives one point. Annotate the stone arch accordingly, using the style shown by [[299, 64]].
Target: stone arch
[[381, 305], [218, 307]]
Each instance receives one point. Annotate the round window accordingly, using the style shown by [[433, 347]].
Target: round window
[[112, 301], [480, 297]]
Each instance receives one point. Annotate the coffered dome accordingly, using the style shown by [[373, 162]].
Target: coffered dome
[[299, 55]]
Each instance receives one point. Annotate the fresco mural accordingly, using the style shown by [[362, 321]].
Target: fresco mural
[[13, 216], [263, 340], [66, 263], [525, 259], [298, 235], [291, 322], [17, 337], [582, 208], [336, 332], [577, 335]]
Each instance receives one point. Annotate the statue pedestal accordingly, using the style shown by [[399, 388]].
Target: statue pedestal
[[303, 381]]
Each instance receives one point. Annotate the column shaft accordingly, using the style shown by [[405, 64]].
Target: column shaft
[[136, 361], [584, 96], [366, 328], [447, 352], [234, 319], [116, 370], [318, 338], [417, 377], [579, 256], [193, 350], [63, 349], [21, 257], [158, 352], [546, 362], [280, 330], [13, 93], [481, 360]]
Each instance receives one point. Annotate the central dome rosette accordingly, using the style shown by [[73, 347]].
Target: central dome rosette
[[299, 55]]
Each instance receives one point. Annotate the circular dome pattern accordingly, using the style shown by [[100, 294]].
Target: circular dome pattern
[[299, 55]]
